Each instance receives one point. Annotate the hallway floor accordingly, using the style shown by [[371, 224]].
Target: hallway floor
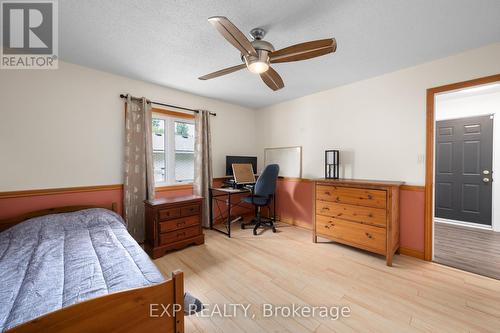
[[469, 249]]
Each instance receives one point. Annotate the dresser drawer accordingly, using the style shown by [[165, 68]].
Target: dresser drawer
[[190, 210], [169, 214], [365, 236], [367, 215], [178, 235], [352, 196], [181, 223]]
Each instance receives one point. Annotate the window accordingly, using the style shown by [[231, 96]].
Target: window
[[173, 149]]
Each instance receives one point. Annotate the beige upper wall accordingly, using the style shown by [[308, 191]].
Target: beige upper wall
[[65, 127], [378, 124]]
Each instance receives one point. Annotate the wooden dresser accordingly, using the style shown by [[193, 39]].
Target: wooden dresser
[[360, 213], [172, 223]]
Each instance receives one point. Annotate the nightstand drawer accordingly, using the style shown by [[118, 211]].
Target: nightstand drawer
[[190, 210], [169, 214], [181, 223], [181, 234]]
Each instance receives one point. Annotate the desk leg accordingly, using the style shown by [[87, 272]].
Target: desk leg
[[229, 216], [210, 208]]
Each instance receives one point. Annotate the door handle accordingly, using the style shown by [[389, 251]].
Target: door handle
[[486, 180]]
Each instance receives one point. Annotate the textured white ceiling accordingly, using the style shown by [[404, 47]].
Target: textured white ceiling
[[171, 42]]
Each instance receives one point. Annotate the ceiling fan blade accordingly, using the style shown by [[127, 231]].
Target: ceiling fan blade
[[272, 79], [222, 72], [304, 51], [233, 35]]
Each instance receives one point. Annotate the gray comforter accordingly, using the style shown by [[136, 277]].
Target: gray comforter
[[50, 262]]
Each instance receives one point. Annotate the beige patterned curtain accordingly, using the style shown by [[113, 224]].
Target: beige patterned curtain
[[139, 178], [203, 161]]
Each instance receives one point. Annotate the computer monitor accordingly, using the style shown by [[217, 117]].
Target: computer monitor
[[230, 160]]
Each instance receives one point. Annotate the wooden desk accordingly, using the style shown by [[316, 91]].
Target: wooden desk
[[217, 194]]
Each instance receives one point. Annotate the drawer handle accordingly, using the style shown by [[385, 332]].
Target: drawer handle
[[181, 234], [368, 235], [370, 196], [327, 193], [181, 224], [325, 208]]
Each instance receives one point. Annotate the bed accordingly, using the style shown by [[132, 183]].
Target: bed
[[77, 269]]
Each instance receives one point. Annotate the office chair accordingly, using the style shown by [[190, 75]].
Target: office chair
[[262, 194]]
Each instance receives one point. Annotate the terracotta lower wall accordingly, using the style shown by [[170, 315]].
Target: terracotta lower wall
[[294, 203], [11, 206], [295, 206], [411, 215], [14, 204]]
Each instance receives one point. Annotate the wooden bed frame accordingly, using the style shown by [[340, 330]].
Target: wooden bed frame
[[124, 311]]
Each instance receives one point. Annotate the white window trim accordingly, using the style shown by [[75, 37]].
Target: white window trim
[[170, 149]]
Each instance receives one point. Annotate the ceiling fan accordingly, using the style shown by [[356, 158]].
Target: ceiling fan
[[259, 54]]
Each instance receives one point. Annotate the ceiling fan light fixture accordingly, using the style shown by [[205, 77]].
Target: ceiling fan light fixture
[[258, 67], [259, 64]]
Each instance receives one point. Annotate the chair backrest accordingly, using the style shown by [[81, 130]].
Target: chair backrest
[[266, 183]]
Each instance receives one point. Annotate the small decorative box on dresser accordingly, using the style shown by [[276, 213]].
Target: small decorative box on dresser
[[172, 223], [360, 213]]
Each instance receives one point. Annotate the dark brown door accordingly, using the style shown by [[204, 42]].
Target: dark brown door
[[464, 157]]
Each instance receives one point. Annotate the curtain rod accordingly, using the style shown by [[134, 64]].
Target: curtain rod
[[170, 106]]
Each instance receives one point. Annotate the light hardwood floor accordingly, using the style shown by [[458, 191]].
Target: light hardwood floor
[[473, 250], [286, 268]]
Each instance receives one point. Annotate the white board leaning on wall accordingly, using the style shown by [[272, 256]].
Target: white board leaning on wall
[[288, 158]]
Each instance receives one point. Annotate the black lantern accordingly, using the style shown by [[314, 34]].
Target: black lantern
[[332, 161]]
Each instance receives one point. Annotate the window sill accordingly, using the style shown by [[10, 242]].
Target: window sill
[[175, 187]]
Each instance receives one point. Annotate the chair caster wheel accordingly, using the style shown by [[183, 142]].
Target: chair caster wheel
[[254, 232], [274, 229]]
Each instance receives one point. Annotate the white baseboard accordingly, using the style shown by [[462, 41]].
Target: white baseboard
[[463, 224]]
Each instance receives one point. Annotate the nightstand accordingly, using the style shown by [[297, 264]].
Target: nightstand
[[172, 224]]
